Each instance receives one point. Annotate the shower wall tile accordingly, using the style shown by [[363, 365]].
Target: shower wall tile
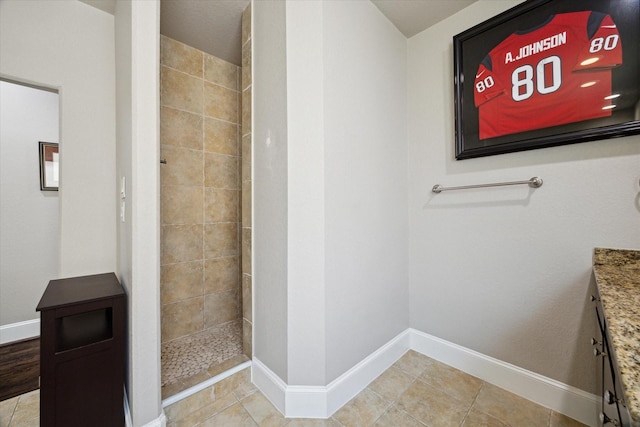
[[220, 307], [181, 91], [220, 137], [181, 204], [246, 25], [220, 72], [247, 295], [180, 56], [239, 107], [246, 250], [221, 205], [221, 240], [220, 102], [181, 281], [246, 67], [247, 338], [184, 166], [221, 274], [221, 171], [182, 318], [246, 111], [246, 204], [180, 128], [181, 243], [246, 165], [246, 157], [201, 281]]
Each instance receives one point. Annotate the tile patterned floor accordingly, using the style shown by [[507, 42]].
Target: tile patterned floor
[[191, 360], [415, 391], [21, 411]]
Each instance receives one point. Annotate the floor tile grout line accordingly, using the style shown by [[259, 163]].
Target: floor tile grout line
[[236, 400], [215, 414], [244, 408], [386, 409], [472, 403], [335, 420], [397, 398], [393, 404], [13, 412]]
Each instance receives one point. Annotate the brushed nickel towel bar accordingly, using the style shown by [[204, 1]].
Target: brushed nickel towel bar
[[534, 182]]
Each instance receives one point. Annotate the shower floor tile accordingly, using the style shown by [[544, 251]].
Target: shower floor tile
[[190, 360]]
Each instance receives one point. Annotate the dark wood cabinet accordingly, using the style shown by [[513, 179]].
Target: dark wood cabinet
[[82, 352], [613, 411]]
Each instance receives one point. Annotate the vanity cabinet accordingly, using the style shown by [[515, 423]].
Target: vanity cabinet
[[613, 410], [82, 339]]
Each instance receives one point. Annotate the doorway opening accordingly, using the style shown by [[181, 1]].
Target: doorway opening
[[205, 214]]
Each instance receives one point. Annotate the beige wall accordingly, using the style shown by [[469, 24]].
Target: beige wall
[[506, 272], [330, 222], [35, 40], [29, 218], [247, 319], [269, 175], [138, 230], [200, 195]]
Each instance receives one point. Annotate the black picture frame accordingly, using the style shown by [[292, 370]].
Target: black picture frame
[[472, 46], [49, 166]]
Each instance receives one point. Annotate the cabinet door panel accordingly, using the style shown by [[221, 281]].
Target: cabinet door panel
[[76, 380]]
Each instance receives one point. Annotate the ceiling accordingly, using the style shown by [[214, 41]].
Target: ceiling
[[413, 16], [214, 26]]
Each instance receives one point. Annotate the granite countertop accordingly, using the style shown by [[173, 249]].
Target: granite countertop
[[617, 273]]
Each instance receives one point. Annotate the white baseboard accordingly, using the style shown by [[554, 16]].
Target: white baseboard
[[161, 421], [348, 385], [19, 331], [323, 401], [560, 397], [270, 384]]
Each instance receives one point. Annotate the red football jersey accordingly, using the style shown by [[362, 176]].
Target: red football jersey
[[557, 73]]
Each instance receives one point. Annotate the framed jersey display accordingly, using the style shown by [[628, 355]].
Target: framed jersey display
[[546, 73]]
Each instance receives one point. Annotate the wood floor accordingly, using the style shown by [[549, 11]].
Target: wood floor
[[19, 367]]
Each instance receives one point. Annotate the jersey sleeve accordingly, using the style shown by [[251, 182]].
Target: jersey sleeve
[[603, 45], [485, 85]]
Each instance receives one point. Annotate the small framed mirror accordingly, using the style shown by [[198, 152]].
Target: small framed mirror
[[49, 166]]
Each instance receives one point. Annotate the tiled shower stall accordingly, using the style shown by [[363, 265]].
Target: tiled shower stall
[[205, 124]]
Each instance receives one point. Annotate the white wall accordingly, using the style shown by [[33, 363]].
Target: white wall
[[29, 217], [306, 194], [269, 133], [365, 182], [138, 161], [505, 271], [330, 178], [70, 46]]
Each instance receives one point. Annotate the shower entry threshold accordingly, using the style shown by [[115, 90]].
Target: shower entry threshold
[[207, 383]]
